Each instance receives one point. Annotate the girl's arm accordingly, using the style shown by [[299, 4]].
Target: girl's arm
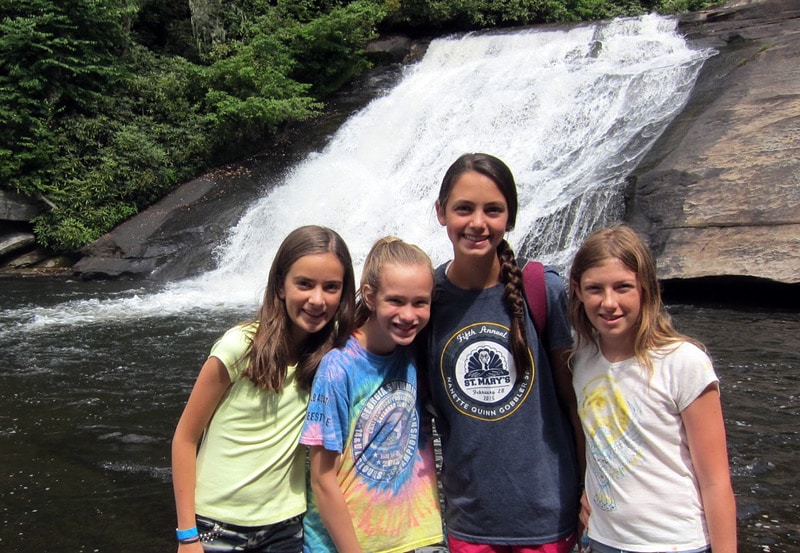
[[332, 507], [562, 376], [705, 431], [212, 382]]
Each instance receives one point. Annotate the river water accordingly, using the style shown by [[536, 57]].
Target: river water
[[87, 411]]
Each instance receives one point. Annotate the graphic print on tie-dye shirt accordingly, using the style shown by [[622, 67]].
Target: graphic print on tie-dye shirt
[[387, 473], [615, 443], [386, 433]]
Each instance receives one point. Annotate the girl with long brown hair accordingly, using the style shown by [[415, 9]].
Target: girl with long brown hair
[[244, 488], [504, 404]]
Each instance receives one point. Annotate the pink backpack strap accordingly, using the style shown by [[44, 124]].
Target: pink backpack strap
[[536, 295]]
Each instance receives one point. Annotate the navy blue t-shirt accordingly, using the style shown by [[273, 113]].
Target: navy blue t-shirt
[[509, 470]]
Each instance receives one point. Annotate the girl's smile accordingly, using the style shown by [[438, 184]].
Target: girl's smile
[[476, 215], [311, 292], [611, 296]]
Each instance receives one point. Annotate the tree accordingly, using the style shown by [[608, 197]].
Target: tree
[[56, 59], [207, 25]]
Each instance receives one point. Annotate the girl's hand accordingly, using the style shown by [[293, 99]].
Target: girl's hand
[[586, 510]]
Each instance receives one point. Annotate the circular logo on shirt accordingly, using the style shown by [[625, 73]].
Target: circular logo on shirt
[[480, 375], [386, 432]]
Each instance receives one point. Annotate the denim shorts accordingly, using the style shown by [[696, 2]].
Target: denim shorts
[[597, 547], [282, 537]]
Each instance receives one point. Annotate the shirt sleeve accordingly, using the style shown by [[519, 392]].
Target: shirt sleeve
[[232, 348], [327, 418], [692, 372]]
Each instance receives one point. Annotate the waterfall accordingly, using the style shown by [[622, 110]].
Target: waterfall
[[570, 110]]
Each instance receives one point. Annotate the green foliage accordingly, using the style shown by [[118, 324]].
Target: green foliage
[[56, 59], [466, 15], [603, 9], [683, 6], [330, 48], [249, 93], [429, 16], [107, 171], [63, 53]]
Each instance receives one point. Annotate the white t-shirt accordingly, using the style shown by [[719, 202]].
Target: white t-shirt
[[639, 479]]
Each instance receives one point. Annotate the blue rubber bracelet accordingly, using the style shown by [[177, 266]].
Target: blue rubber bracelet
[[186, 534]]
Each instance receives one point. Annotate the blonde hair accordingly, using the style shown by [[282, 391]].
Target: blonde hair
[[385, 251], [621, 242], [269, 353]]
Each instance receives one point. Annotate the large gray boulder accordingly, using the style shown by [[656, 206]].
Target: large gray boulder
[[172, 238], [15, 207], [718, 194]]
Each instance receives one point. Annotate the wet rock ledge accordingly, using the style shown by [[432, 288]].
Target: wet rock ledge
[[18, 249]]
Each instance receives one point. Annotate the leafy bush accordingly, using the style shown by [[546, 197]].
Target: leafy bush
[[56, 59], [329, 49]]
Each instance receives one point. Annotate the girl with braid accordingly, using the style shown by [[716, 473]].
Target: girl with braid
[[505, 412]]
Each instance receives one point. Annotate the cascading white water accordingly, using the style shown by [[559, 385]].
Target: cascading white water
[[570, 111]]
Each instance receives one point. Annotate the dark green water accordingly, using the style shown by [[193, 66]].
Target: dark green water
[[87, 410]]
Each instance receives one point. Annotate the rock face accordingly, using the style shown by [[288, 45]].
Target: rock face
[[14, 207], [17, 241], [719, 193], [172, 238]]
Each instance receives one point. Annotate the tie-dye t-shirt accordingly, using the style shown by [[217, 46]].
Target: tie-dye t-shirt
[[367, 408], [640, 480]]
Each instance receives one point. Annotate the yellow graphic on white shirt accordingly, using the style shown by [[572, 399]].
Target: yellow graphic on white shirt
[[614, 441]]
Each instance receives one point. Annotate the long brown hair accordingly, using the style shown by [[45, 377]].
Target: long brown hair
[[510, 274], [621, 242], [269, 354]]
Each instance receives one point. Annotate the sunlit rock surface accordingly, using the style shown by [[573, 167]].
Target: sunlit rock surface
[[719, 193]]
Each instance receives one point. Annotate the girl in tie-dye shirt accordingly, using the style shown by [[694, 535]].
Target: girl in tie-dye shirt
[[373, 476]]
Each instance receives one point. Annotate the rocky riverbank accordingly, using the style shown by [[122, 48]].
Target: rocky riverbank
[[717, 196]]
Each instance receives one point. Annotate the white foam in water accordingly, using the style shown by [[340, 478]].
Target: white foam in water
[[571, 112]]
